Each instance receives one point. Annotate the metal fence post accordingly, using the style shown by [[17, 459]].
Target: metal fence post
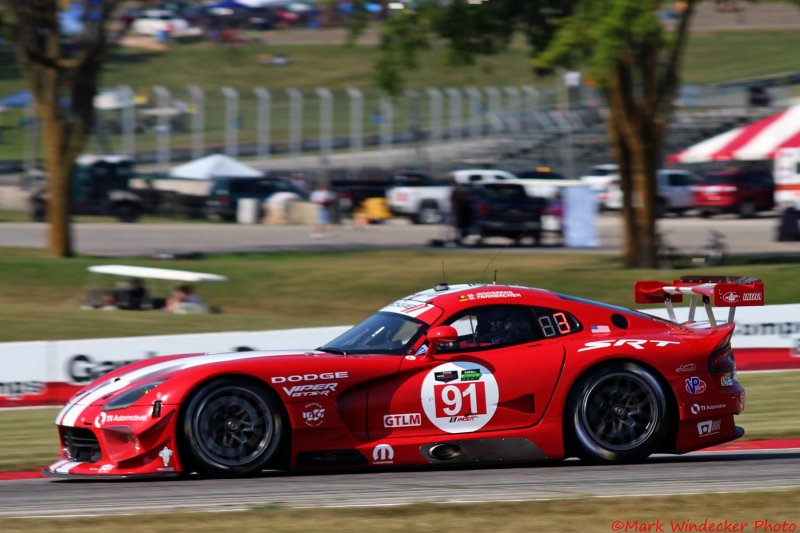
[[435, 108], [513, 109], [162, 129], [413, 130], [475, 112], [325, 126], [232, 121], [128, 122], [531, 104], [387, 120], [495, 110], [295, 121], [263, 125], [356, 127], [198, 120]]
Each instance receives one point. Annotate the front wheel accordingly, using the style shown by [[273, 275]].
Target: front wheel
[[617, 414], [231, 427]]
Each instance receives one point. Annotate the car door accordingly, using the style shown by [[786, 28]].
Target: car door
[[499, 374]]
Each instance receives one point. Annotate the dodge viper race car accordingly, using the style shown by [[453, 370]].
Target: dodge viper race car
[[452, 375]]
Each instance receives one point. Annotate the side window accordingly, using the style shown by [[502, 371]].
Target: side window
[[485, 328]]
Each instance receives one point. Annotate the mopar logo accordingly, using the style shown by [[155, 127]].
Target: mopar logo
[[382, 454], [83, 369], [731, 297]]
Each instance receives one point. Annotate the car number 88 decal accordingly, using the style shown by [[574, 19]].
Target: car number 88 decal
[[459, 397]]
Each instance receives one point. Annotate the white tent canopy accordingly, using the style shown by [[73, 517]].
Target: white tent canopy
[[214, 166], [155, 273]]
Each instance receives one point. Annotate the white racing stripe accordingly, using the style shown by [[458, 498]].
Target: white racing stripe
[[71, 412]]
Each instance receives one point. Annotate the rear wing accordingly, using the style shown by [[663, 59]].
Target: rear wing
[[722, 291]]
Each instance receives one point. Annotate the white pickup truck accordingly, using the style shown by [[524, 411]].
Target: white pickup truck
[[430, 204]]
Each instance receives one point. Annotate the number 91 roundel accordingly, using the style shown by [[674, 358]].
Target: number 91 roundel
[[459, 397]]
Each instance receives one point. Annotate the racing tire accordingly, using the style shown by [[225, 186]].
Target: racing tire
[[231, 427], [617, 413]]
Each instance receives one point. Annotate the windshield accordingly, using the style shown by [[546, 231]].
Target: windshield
[[383, 333]]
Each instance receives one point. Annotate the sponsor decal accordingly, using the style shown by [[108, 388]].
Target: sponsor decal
[[698, 408], [105, 469], [450, 375], [459, 406], [411, 358], [473, 374], [324, 376], [638, 344], [695, 385], [728, 379], [731, 297], [383, 454], [408, 307], [166, 455], [313, 415], [15, 389], [402, 420], [753, 297], [688, 367], [307, 391], [83, 368], [104, 418], [601, 329], [473, 296], [708, 427]]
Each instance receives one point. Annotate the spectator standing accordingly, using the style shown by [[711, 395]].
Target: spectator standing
[[323, 199]]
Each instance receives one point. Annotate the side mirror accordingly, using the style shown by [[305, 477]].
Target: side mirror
[[440, 335]]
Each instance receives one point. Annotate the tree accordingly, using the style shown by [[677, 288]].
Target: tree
[[632, 54], [62, 73]]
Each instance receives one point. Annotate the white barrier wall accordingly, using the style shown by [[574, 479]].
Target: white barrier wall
[[27, 367], [34, 369]]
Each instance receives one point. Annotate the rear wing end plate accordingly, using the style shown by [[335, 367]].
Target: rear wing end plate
[[720, 291]]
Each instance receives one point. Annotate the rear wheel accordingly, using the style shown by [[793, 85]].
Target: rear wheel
[[617, 413], [232, 427], [747, 209], [429, 214]]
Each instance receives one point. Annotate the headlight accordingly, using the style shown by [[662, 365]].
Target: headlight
[[128, 398]]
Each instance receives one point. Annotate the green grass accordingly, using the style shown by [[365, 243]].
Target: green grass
[[40, 296], [28, 438], [578, 515]]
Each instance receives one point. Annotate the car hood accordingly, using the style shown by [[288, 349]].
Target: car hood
[[157, 368]]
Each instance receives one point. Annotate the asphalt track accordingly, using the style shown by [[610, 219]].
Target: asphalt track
[[736, 470]]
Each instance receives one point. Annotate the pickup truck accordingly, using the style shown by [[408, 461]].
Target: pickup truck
[[430, 203], [425, 201]]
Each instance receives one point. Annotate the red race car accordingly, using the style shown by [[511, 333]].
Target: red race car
[[451, 375]]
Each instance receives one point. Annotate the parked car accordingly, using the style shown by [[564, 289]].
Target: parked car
[[223, 198], [604, 182], [541, 182], [735, 191], [419, 197], [100, 185], [506, 210], [674, 192], [157, 22]]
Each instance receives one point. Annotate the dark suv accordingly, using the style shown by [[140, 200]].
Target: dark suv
[[225, 193], [735, 191]]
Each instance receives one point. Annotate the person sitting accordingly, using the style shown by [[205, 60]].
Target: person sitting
[[184, 301]]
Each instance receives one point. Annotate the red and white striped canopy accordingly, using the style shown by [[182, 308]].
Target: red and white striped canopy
[[756, 141]]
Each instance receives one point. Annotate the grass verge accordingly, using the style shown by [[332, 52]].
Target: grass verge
[[28, 438], [760, 511], [40, 296]]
